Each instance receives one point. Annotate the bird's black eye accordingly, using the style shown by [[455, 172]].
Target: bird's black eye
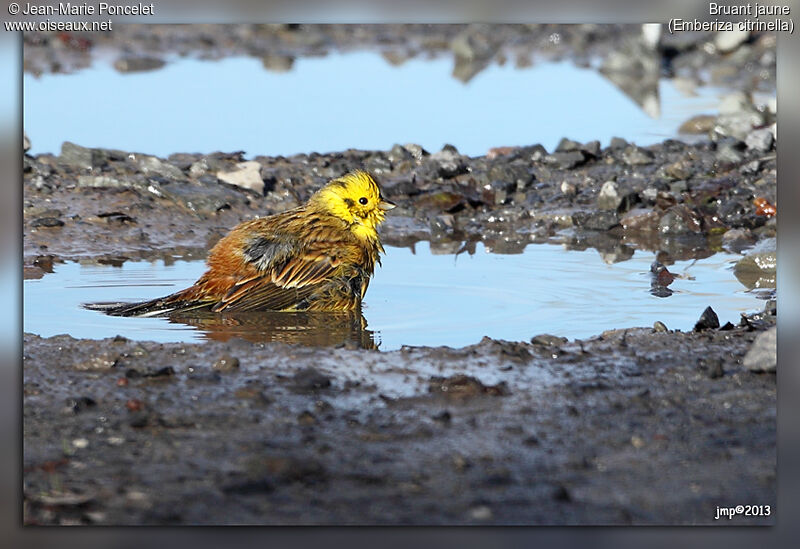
[[363, 201]]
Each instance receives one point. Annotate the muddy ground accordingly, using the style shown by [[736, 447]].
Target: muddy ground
[[644, 426]]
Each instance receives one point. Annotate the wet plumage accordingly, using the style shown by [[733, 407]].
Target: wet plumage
[[317, 257]]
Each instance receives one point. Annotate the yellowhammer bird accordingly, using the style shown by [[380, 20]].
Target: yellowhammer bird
[[317, 257]]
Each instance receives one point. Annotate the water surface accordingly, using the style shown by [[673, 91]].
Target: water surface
[[415, 299], [340, 101]]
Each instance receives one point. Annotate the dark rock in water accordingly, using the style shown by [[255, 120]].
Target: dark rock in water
[[309, 380], [708, 321], [737, 240], [636, 156], [640, 220], [565, 160], [661, 274], [601, 220], [567, 145], [617, 143], [660, 278], [660, 291], [679, 220]]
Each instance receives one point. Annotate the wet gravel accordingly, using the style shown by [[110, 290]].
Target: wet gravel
[[633, 426]]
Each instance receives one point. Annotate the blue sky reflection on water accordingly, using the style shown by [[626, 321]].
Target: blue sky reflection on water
[[341, 101], [427, 299]]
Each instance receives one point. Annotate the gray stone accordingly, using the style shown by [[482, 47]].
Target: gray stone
[[416, 150], [548, 340], [568, 188], [592, 147], [138, 64], [636, 156], [681, 169], [679, 220], [81, 157], [617, 143], [565, 160], [660, 327], [277, 63], [150, 165], [609, 196], [727, 41], [763, 353], [567, 145], [698, 125], [734, 103], [677, 187], [517, 175], [450, 163], [738, 124], [247, 175], [100, 182], [737, 240], [729, 153], [760, 140]]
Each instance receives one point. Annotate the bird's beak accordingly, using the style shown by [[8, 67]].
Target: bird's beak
[[386, 205]]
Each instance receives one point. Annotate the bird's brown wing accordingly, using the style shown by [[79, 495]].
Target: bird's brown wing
[[285, 281]]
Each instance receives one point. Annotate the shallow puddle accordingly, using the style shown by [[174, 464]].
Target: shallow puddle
[[340, 101], [417, 298]]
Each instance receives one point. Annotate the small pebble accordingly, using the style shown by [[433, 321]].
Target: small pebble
[[481, 512], [226, 363], [134, 405]]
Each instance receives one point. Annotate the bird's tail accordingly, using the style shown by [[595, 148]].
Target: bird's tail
[[177, 303]]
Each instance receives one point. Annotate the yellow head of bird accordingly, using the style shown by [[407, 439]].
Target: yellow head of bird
[[356, 198]]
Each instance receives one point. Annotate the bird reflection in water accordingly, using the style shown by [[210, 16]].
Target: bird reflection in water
[[311, 328]]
